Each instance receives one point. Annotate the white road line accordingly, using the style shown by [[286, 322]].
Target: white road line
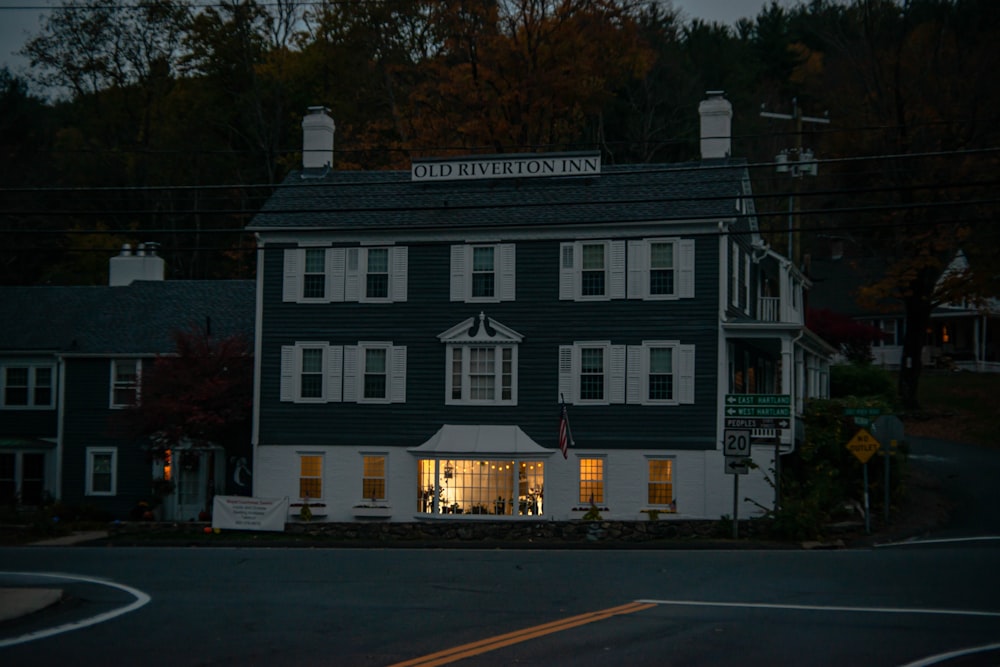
[[943, 540], [941, 657], [811, 607], [140, 600]]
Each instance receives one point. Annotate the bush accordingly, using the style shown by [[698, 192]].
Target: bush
[[862, 380]]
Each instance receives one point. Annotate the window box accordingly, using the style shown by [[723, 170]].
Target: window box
[[372, 511], [316, 510]]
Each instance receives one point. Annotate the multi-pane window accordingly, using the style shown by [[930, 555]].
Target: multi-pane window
[[373, 477], [592, 374], [377, 275], [661, 482], [101, 473], [592, 279], [314, 274], [661, 374], [482, 374], [27, 386], [310, 476], [125, 382], [376, 370], [661, 269], [499, 487], [483, 272], [591, 480], [311, 377]]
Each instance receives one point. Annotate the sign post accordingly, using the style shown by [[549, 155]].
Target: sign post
[[863, 445], [764, 411]]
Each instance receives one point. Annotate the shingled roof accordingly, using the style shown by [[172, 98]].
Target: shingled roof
[[134, 319], [384, 200]]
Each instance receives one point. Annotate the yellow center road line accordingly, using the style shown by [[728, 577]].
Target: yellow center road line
[[492, 643]]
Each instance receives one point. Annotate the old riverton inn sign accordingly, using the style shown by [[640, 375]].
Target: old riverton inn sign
[[509, 166]]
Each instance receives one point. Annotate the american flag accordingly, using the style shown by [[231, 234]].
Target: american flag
[[565, 435]]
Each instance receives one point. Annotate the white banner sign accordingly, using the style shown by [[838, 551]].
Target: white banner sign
[[246, 513], [499, 166]]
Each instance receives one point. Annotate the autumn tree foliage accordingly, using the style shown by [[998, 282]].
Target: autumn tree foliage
[[203, 394], [853, 338]]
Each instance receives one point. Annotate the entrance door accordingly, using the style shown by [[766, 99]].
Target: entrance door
[[195, 481]]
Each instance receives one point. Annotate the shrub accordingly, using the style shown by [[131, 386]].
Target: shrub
[[862, 380]]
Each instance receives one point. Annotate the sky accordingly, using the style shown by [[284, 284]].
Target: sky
[[20, 19]]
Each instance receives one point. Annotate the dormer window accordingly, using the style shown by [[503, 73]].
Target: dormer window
[[481, 362]]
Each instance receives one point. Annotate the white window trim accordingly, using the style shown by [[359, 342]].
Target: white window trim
[[498, 399], [354, 372], [356, 274], [92, 452], [291, 372], [346, 275], [138, 383], [570, 367], [673, 480], [504, 270], [298, 476], [385, 476], [475, 332], [33, 369], [639, 269], [638, 373], [604, 475], [571, 276]]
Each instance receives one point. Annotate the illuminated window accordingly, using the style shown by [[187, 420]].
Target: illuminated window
[[497, 487], [591, 480], [373, 477], [310, 476], [661, 482]]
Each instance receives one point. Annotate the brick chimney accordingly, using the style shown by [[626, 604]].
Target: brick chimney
[[716, 126], [317, 139]]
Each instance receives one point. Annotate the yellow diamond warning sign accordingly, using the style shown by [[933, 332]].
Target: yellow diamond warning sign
[[863, 445]]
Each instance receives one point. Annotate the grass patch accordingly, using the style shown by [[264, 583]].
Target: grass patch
[[957, 406]]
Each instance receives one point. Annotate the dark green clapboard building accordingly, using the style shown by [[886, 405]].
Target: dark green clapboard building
[[420, 332]]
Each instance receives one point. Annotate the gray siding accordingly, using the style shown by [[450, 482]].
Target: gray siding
[[537, 314]]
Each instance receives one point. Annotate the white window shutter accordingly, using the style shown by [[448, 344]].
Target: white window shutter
[[637, 269], [290, 290], [397, 371], [352, 280], [685, 374], [567, 271], [351, 377], [334, 374], [459, 279], [566, 392], [287, 385], [398, 277], [616, 374], [685, 277], [616, 270], [633, 382], [335, 259], [507, 277]]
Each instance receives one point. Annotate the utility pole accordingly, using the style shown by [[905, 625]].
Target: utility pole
[[796, 162]]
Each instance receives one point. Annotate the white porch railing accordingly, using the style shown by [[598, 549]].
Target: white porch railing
[[769, 309]]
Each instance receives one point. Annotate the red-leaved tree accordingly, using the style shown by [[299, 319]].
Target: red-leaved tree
[[853, 338], [202, 395]]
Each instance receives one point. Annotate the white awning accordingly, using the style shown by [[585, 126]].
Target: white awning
[[482, 441]]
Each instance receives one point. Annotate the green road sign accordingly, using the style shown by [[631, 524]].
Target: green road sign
[[862, 412], [771, 400]]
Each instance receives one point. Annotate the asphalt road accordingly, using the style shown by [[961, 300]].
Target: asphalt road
[[932, 602]]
